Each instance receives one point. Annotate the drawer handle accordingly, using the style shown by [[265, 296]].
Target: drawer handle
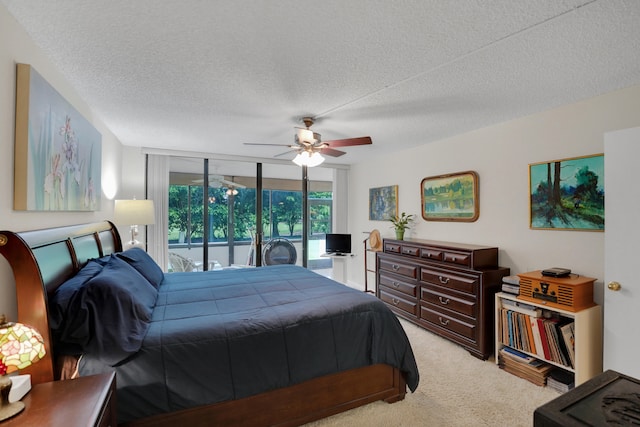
[[453, 259], [443, 280], [395, 284], [395, 267], [443, 322], [444, 301], [395, 301]]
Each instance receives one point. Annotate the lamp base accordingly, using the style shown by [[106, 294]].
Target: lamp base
[[7, 410]]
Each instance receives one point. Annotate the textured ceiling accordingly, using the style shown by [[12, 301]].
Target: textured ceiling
[[208, 76]]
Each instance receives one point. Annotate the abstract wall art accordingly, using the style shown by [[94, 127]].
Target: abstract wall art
[[58, 153]]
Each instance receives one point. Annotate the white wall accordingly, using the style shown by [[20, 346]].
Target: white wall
[[17, 47], [501, 155]]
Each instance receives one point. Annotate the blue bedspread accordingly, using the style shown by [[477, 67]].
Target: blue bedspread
[[229, 334]]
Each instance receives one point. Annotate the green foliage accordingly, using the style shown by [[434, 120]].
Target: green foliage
[[401, 222]]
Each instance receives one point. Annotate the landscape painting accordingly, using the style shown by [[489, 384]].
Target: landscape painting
[[452, 197], [568, 194], [58, 153], [383, 203]]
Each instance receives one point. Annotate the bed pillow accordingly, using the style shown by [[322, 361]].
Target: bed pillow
[[141, 261], [111, 313], [59, 301]]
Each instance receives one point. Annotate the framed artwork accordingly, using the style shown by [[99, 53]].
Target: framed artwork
[[567, 194], [383, 203], [58, 153], [452, 197]]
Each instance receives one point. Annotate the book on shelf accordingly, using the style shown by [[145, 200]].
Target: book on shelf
[[568, 335], [537, 337], [524, 366], [545, 338], [561, 380]]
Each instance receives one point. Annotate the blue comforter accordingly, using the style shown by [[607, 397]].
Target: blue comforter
[[221, 335]]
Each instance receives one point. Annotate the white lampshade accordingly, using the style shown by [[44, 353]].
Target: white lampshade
[[134, 212], [305, 159]]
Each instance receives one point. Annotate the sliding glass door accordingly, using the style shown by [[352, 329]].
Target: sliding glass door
[[241, 214]]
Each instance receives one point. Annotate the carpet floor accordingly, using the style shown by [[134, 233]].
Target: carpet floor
[[456, 389]]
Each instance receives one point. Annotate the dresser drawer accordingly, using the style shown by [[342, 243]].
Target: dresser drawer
[[433, 254], [467, 330], [407, 270], [398, 285], [458, 258], [392, 248], [399, 303], [461, 282], [410, 250], [441, 299]]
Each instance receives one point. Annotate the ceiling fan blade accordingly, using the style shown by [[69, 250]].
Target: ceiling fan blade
[[363, 140], [286, 152], [331, 152], [275, 145]]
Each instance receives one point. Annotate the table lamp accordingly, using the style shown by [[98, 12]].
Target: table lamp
[[134, 213], [20, 346]]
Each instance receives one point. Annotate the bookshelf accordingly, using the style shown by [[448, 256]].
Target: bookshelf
[[587, 333]]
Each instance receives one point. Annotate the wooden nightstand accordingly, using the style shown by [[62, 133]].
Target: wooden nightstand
[[85, 401]]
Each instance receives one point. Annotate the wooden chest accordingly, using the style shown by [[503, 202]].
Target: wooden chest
[[571, 293]]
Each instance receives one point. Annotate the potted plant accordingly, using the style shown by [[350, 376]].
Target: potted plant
[[401, 223]]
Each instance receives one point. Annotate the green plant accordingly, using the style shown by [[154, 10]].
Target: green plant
[[401, 223]]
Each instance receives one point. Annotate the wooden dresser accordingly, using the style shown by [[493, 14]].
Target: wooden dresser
[[447, 288]]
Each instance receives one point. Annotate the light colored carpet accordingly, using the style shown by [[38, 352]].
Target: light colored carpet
[[456, 389]]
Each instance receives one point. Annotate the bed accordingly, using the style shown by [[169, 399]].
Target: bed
[[276, 345]]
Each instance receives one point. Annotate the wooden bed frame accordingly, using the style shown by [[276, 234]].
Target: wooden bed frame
[[43, 259]]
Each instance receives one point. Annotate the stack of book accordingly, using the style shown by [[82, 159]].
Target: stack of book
[[527, 328], [524, 366], [511, 285], [561, 380]]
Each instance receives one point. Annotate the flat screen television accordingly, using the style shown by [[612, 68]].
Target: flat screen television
[[336, 244]]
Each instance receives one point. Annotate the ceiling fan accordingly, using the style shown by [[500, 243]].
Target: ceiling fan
[[219, 181], [310, 147]]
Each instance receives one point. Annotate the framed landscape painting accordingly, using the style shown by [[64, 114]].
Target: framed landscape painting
[[452, 197], [383, 203], [58, 153], [567, 194]]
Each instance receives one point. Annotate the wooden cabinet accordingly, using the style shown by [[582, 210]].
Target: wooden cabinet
[[587, 334], [85, 401], [447, 288]]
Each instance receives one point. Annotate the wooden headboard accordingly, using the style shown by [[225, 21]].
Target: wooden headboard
[[41, 261]]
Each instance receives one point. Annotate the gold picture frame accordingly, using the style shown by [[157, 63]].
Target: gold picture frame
[[450, 197]]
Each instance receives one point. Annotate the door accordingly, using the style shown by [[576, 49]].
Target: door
[[621, 244]]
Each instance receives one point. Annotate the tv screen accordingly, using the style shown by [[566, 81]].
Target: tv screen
[[338, 243]]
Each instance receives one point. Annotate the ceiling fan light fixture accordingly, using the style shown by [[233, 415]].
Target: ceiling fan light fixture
[[308, 159]]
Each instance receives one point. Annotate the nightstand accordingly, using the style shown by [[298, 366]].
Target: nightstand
[[84, 401]]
